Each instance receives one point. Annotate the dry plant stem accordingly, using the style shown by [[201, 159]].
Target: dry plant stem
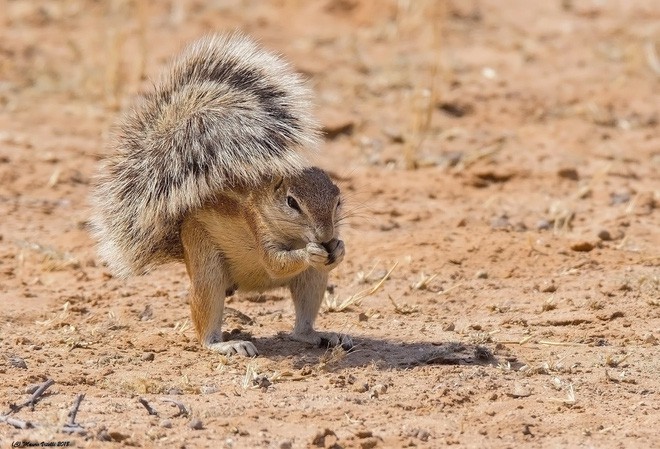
[[18, 423], [149, 408], [515, 342], [35, 397], [71, 426], [183, 411], [453, 287], [74, 410], [560, 343]]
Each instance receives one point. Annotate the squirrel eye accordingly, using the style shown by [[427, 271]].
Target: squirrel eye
[[292, 203]]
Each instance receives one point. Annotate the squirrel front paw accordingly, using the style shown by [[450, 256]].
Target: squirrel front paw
[[325, 256]]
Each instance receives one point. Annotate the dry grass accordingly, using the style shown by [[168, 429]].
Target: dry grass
[[414, 19], [333, 304]]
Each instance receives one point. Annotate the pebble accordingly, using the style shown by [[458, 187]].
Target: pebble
[[651, 339], [582, 246], [619, 198], [481, 274], [519, 391], [420, 434], [569, 173], [165, 423], [543, 225], [604, 235], [286, 444], [448, 327], [196, 424], [501, 222], [17, 362], [369, 443], [148, 357], [548, 287], [208, 389]]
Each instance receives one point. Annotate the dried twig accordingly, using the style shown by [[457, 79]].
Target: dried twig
[[183, 411], [149, 408], [71, 426], [335, 306], [74, 410], [18, 423], [560, 343], [34, 399]]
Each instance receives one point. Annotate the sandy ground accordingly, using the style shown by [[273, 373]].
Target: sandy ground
[[500, 157]]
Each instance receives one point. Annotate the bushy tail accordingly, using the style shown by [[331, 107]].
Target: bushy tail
[[227, 113]]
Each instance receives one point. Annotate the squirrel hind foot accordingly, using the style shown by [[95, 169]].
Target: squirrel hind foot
[[240, 347]]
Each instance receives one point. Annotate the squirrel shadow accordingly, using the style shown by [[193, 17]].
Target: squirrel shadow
[[382, 354]]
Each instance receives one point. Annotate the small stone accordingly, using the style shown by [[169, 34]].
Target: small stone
[[582, 246], [286, 444], [380, 388], [619, 198], [196, 424], [548, 287], [501, 222], [364, 434], [604, 235], [262, 382], [520, 391], [118, 436], [148, 357], [17, 362], [520, 227], [422, 435], [481, 274], [651, 339], [543, 225], [448, 327], [369, 443], [361, 388], [165, 424], [363, 316], [208, 389], [569, 173]]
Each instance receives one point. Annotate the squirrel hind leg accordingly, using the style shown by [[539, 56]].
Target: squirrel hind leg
[[209, 284], [307, 291]]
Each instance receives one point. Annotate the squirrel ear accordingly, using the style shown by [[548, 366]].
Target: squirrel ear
[[278, 183]]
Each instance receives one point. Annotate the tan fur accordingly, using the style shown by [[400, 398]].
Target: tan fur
[[209, 168]]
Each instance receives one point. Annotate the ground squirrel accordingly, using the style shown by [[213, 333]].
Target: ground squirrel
[[210, 168]]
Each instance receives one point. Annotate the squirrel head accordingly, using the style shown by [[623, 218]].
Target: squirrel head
[[303, 208]]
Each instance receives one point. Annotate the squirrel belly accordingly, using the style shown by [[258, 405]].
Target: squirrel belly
[[210, 168], [226, 114]]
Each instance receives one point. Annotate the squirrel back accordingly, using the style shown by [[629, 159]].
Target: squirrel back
[[226, 115]]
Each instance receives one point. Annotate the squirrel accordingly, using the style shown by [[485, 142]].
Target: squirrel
[[210, 168]]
